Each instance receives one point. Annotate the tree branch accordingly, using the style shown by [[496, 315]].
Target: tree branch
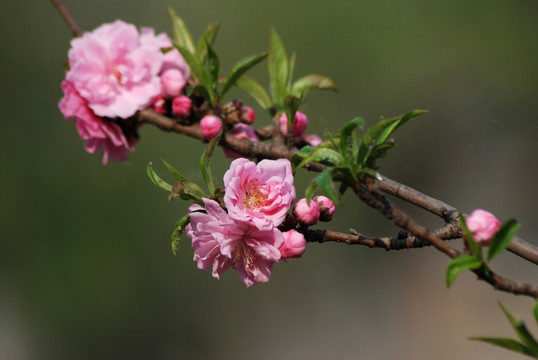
[[69, 19]]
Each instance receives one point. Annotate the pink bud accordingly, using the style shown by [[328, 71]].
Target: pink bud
[[181, 106], [307, 213], [172, 83], [483, 225], [326, 208], [294, 245], [241, 131], [211, 126], [311, 139], [160, 105], [248, 115], [300, 123]]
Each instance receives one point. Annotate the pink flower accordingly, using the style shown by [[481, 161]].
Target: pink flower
[[240, 131], [294, 245], [326, 208], [311, 139], [300, 123], [259, 193], [220, 242], [483, 225], [172, 58], [181, 106], [98, 133], [249, 115], [307, 213], [210, 125], [114, 71], [159, 105], [172, 83]]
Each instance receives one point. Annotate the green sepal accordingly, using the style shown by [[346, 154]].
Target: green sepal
[[325, 184], [502, 238], [311, 82], [278, 68], [521, 331], [506, 343], [205, 163], [208, 37], [156, 179], [457, 265], [255, 90], [199, 71], [181, 34], [291, 105], [240, 68], [324, 156], [181, 224]]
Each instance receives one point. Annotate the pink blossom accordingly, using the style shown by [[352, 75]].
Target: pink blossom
[[241, 131], [307, 213], [172, 83], [249, 115], [210, 125], [172, 58], [220, 242], [259, 193], [181, 106], [300, 123], [483, 225], [114, 71], [326, 207], [294, 245], [98, 133], [159, 105], [311, 139]]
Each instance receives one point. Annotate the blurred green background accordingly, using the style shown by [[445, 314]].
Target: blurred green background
[[86, 270]]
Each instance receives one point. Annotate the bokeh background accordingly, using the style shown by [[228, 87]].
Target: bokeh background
[[86, 270]]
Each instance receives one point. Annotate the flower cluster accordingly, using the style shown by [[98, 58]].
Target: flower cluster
[[115, 71]]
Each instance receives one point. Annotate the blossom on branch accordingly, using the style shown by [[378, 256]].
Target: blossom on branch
[[483, 225]]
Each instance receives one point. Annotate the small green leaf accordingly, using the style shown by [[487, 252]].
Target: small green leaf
[[278, 68], [371, 172], [521, 330], [301, 155], [189, 190], [157, 180], [345, 133], [240, 68], [322, 155], [198, 71], [181, 33], [205, 163], [213, 65], [325, 184], [311, 82], [502, 238], [535, 311], [174, 172], [476, 248], [255, 90], [457, 265], [181, 224], [506, 343], [399, 122], [310, 190], [291, 71], [208, 37], [291, 105]]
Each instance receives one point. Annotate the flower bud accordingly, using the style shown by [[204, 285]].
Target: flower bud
[[172, 83], [311, 139], [210, 126], [248, 115], [300, 123], [326, 208], [160, 105], [294, 245], [241, 131], [181, 106], [307, 213], [483, 225]]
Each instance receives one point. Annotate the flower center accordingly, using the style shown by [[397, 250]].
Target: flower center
[[254, 198]]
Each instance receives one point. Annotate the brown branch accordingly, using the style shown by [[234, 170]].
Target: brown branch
[[69, 19]]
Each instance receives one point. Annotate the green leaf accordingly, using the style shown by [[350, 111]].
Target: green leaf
[[399, 122], [188, 189], [502, 238], [255, 90], [476, 248], [205, 163], [345, 134], [291, 105], [181, 224], [301, 155], [322, 155], [371, 172], [535, 311], [181, 33], [290, 71], [240, 68], [506, 343], [325, 184], [311, 82], [157, 180], [521, 330], [199, 71], [208, 37], [174, 172], [457, 265], [278, 68], [213, 65], [310, 190]]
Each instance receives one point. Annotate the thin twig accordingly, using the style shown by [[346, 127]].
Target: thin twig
[[69, 19]]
